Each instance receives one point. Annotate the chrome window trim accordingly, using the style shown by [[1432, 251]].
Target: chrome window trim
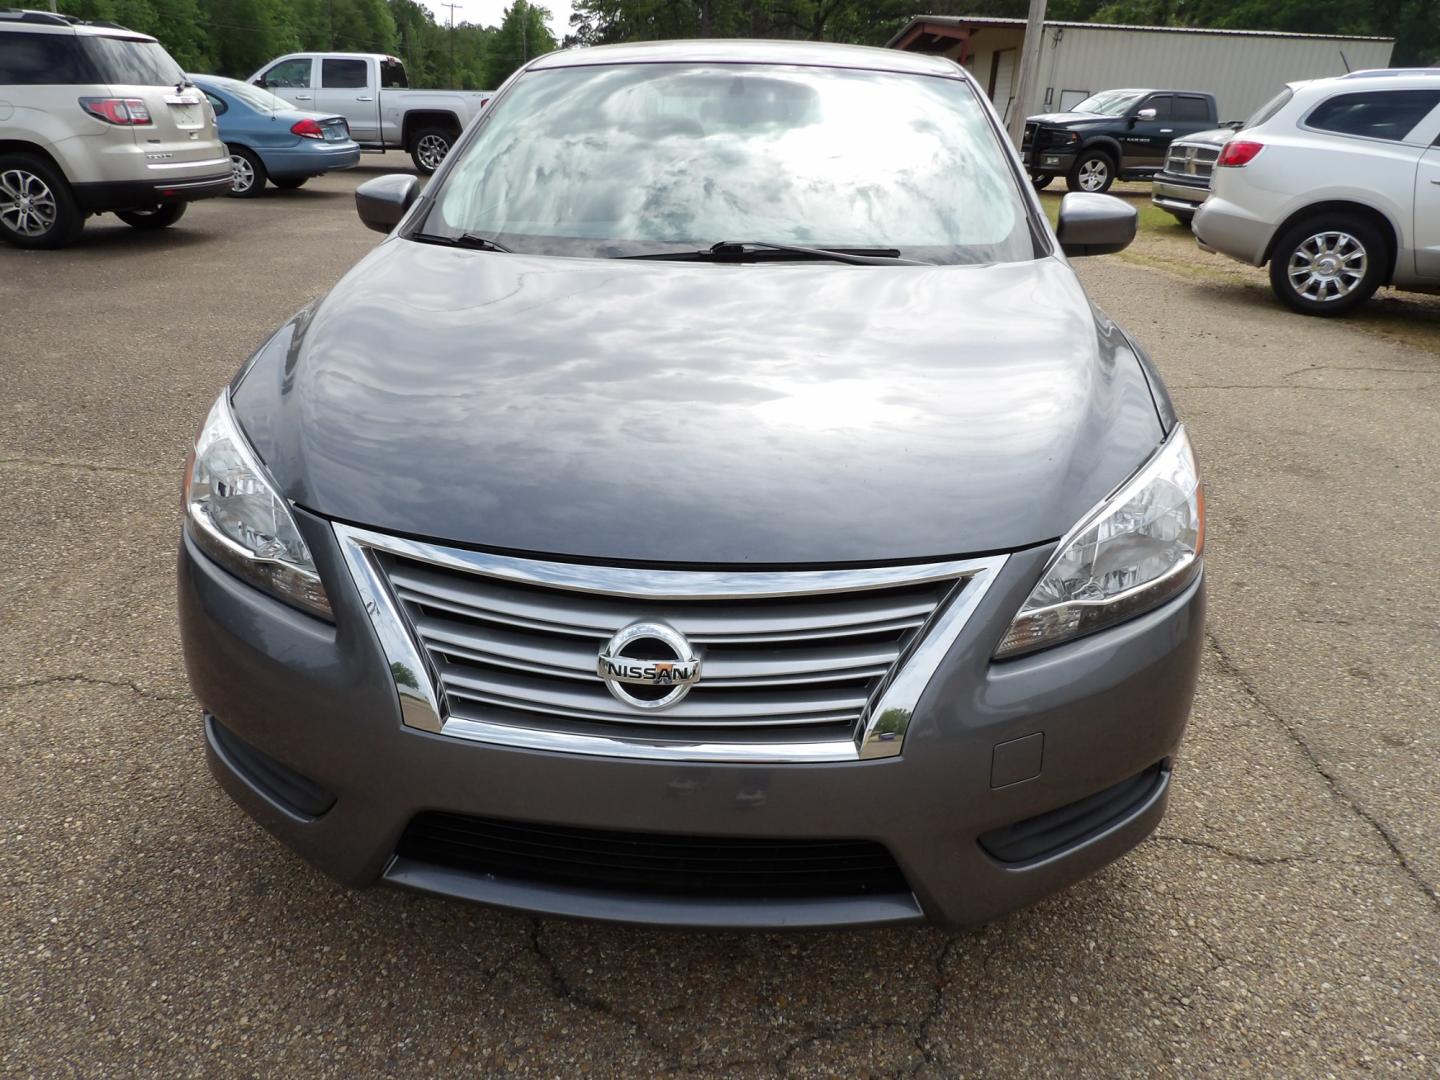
[[883, 726]]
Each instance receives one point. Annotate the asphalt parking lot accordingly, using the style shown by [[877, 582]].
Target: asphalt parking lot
[[1284, 921]]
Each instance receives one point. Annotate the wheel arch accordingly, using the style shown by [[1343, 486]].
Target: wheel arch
[[428, 118], [1378, 218], [1106, 143], [20, 146]]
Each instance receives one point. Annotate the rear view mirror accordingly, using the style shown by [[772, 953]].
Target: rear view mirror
[[1146, 114], [382, 202], [1092, 224]]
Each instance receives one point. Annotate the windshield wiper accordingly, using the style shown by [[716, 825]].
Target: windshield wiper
[[466, 240], [749, 250]]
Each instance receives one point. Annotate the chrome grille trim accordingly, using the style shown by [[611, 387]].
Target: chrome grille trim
[[502, 650], [1191, 160]]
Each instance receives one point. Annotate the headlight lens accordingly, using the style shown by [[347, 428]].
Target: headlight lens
[[1061, 138], [1139, 548], [235, 516]]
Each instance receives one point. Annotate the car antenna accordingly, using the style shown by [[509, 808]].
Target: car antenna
[[1344, 61]]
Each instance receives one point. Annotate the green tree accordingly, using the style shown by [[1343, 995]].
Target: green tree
[[523, 35]]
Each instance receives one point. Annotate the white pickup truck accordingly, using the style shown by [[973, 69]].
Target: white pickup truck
[[372, 92]]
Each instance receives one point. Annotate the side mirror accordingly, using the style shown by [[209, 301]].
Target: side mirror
[[1146, 114], [1092, 224], [382, 202]]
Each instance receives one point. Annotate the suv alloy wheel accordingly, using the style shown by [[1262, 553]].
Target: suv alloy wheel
[[1328, 265], [37, 209]]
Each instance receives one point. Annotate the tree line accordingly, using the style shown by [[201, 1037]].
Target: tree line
[[1414, 24], [236, 37]]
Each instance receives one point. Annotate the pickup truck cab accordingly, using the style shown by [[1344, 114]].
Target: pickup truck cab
[[1115, 134], [371, 91]]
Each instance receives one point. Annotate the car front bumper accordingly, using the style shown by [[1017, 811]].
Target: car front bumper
[[320, 700], [1049, 162], [1177, 197]]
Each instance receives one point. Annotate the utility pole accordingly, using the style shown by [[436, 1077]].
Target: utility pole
[[452, 8], [524, 36], [1029, 70]]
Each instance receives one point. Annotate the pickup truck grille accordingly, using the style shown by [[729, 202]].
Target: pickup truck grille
[[1192, 160]]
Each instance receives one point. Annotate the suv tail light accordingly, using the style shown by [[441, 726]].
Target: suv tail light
[[1239, 152], [127, 112], [307, 129]]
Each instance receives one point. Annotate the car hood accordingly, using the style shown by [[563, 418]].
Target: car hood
[[1066, 119], [699, 413]]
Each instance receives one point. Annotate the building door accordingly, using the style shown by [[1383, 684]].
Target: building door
[[1002, 81]]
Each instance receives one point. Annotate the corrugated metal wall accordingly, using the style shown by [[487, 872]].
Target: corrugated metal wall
[[1243, 72]]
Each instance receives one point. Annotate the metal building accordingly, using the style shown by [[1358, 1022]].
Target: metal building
[[1242, 68]]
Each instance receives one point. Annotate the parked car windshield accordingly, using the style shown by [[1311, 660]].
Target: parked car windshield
[[613, 160], [1110, 102], [1270, 108], [127, 62]]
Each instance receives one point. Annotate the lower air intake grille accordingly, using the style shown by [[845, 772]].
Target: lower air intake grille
[[652, 862], [1055, 830]]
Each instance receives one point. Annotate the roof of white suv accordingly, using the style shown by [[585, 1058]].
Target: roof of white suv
[[30, 20]]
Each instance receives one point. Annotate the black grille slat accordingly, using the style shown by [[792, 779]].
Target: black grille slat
[[653, 863]]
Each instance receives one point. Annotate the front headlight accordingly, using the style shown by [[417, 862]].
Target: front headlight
[[1061, 138], [1139, 548], [234, 514]]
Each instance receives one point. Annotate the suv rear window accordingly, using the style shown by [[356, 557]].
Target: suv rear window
[[128, 62], [44, 59], [1378, 114]]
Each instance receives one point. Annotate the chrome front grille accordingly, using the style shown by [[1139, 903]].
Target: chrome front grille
[[796, 665], [1196, 161]]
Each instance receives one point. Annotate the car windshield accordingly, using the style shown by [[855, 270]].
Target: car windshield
[[258, 99], [128, 62], [612, 160], [1110, 102]]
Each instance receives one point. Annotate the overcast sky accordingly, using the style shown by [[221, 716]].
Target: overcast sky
[[490, 12]]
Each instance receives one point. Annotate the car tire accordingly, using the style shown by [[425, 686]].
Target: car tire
[[159, 216], [37, 207], [1184, 219], [428, 148], [289, 183], [1040, 180], [248, 175], [1093, 171], [1328, 264]]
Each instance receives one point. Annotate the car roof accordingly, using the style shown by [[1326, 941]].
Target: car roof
[[725, 51], [1376, 79], [30, 19]]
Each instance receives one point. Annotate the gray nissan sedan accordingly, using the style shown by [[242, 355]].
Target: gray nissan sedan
[[715, 503]]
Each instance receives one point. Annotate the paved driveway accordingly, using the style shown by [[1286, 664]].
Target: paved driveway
[[1285, 921]]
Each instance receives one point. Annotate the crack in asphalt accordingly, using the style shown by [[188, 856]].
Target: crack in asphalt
[[1304, 389], [81, 466], [91, 680], [1253, 860], [1228, 665]]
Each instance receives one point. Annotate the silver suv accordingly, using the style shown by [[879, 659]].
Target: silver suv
[[1336, 184], [96, 118]]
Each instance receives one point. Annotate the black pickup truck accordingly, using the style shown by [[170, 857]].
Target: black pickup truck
[[1113, 135]]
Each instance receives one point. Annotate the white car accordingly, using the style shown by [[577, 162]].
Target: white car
[[95, 118], [1336, 184]]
